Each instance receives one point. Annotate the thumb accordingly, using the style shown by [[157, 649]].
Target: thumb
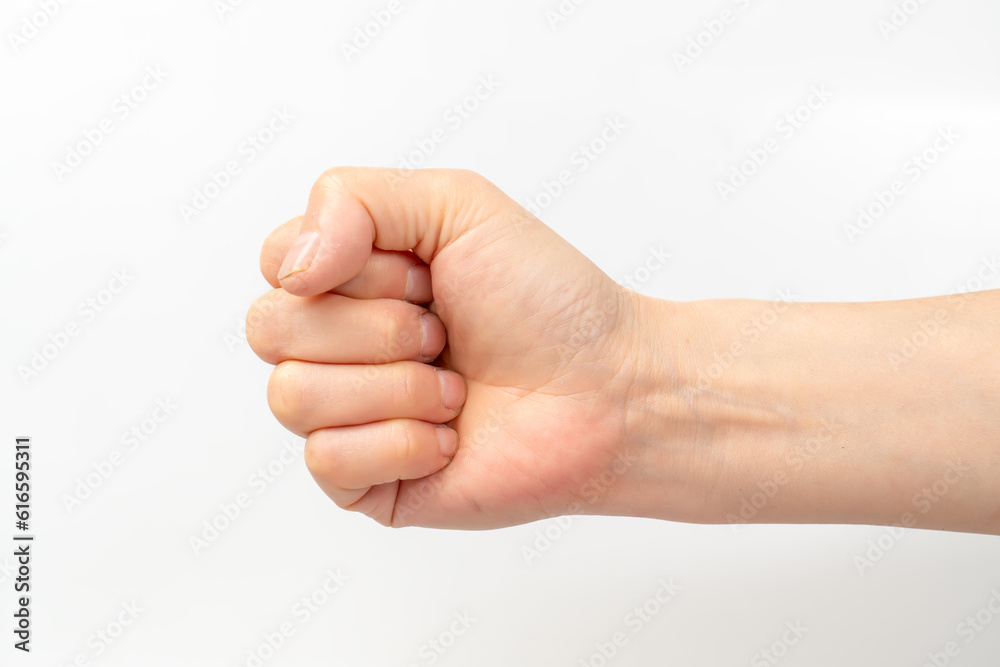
[[352, 209]]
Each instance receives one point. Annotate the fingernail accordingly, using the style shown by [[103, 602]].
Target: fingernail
[[411, 283], [300, 255], [451, 389], [417, 283], [448, 440], [427, 347]]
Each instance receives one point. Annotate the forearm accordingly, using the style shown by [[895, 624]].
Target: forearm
[[875, 413]]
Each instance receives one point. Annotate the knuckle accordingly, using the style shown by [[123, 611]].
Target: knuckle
[[470, 176], [336, 177], [479, 199], [474, 181], [284, 390], [262, 334], [324, 462], [315, 457]]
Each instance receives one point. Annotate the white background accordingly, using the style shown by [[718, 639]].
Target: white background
[[175, 331]]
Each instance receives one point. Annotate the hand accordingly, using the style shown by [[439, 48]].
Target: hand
[[538, 344]]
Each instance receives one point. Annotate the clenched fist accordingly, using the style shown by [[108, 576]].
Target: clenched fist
[[450, 359]]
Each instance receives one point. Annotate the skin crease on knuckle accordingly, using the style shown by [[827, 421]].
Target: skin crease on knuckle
[[399, 325], [405, 445], [401, 392]]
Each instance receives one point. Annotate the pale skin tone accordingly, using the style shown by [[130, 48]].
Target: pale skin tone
[[454, 363]]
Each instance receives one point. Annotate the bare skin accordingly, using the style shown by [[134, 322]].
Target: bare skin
[[407, 300]]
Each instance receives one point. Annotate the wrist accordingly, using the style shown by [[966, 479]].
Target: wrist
[[769, 412], [688, 432], [724, 430]]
